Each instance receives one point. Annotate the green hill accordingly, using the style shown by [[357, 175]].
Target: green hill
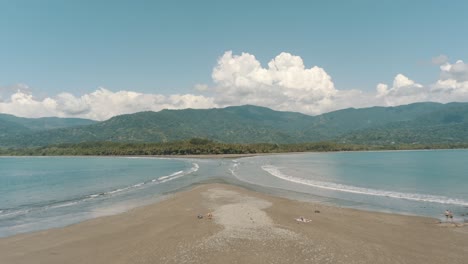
[[14, 128], [423, 123], [448, 124], [246, 124], [44, 123]]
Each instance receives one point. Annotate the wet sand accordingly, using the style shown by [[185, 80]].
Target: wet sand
[[247, 227]]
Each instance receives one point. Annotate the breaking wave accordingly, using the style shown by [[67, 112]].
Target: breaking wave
[[275, 171], [22, 210]]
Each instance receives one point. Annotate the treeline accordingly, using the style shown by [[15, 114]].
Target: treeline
[[198, 146]]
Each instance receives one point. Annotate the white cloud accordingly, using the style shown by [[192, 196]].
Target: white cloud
[[99, 105], [457, 71], [403, 91], [382, 89], [285, 83], [201, 87], [71, 105], [452, 86], [23, 104], [6, 91], [453, 82]]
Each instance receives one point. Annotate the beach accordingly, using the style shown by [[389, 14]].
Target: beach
[[246, 227]]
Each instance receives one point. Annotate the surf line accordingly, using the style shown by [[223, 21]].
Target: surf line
[[274, 171]]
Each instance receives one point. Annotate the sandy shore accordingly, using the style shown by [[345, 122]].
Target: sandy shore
[[247, 227]]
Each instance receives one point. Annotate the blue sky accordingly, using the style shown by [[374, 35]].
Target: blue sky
[[168, 47]]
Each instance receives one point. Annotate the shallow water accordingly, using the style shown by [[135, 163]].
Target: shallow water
[[44, 192], [409, 182]]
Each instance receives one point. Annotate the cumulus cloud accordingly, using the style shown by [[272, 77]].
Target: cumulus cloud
[[457, 71], [452, 86], [453, 82], [23, 104], [6, 91], [99, 105], [284, 83], [403, 91]]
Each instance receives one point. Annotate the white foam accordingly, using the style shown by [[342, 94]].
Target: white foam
[[179, 174], [13, 213], [161, 179], [233, 169], [169, 176], [175, 175], [63, 205], [275, 171], [116, 191]]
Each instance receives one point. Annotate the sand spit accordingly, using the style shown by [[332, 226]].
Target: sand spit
[[246, 227]]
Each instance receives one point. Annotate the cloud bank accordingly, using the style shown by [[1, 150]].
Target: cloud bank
[[284, 84], [99, 105]]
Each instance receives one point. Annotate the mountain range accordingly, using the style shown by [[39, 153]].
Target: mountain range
[[419, 123]]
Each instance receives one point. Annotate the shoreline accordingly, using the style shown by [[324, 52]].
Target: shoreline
[[233, 156], [199, 156], [263, 189], [169, 232], [227, 156]]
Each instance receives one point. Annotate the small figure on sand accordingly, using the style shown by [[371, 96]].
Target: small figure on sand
[[450, 215], [209, 216], [447, 212], [303, 219]]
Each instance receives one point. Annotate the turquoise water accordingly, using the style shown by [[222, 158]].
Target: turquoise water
[[408, 182], [44, 192]]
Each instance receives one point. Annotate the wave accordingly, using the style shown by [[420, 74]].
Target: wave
[[233, 168], [275, 171], [169, 176], [12, 213], [161, 179], [25, 209], [64, 204]]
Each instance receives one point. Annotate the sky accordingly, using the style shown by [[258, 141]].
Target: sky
[[97, 59]]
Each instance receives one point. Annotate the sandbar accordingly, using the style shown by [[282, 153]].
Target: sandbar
[[246, 227]]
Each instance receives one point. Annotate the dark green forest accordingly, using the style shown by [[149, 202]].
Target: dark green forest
[[197, 146], [240, 130]]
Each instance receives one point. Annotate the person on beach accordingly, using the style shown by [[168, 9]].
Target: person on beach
[[447, 212], [450, 216]]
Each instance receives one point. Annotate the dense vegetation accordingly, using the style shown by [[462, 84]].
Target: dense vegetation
[[15, 130], [43, 123], [420, 124], [198, 146]]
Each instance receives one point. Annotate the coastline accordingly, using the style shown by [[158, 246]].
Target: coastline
[[247, 227], [198, 156], [233, 156]]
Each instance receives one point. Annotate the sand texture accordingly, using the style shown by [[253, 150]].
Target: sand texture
[[246, 227]]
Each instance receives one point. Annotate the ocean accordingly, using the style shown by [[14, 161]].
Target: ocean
[[38, 193]]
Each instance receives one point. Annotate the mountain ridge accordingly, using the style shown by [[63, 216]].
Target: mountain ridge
[[425, 122]]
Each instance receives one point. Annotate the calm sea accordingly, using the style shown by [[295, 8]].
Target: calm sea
[[44, 192]]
